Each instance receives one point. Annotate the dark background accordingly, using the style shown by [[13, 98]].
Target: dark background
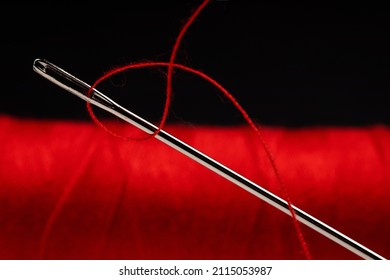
[[287, 65]]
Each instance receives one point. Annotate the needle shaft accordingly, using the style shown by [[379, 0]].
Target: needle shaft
[[80, 89]]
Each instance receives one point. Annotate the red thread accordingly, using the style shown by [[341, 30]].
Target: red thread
[[171, 64], [69, 187], [172, 60]]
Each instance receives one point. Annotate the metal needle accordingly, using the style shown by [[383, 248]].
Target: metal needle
[[80, 89]]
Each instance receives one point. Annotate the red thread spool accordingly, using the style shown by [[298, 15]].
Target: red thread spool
[[130, 200]]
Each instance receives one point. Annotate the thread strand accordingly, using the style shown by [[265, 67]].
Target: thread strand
[[171, 65]]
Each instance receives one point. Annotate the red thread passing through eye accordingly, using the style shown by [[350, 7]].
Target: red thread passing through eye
[[171, 65]]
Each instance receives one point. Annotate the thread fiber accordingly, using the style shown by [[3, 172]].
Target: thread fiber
[[171, 65]]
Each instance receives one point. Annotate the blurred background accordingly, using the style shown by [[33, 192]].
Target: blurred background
[[287, 65]]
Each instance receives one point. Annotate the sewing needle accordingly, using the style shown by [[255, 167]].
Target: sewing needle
[[79, 88]]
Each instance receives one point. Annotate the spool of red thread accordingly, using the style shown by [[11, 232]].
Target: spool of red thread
[[143, 200]]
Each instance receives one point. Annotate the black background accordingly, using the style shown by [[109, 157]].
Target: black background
[[287, 65]]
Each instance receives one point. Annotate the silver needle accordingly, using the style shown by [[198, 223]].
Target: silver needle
[[80, 89]]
